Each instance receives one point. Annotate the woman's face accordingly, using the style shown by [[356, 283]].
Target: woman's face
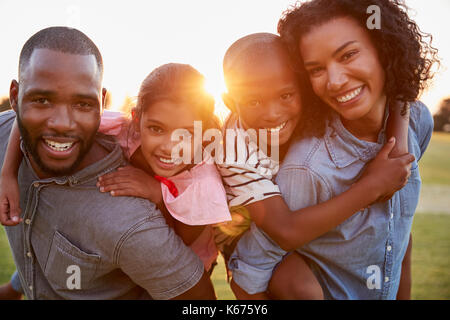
[[344, 69], [156, 126]]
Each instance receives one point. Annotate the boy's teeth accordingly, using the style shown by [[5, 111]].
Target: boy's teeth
[[58, 146], [276, 129], [166, 160], [349, 96]]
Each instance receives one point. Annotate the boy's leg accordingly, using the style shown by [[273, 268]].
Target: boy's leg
[[292, 279], [11, 290]]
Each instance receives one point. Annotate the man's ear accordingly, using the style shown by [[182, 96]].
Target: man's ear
[[14, 95], [229, 102], [104, 92]]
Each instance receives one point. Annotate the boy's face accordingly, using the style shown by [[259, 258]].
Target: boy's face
[[265, 94]]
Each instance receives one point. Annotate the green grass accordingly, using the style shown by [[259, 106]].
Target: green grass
[[435, 163]]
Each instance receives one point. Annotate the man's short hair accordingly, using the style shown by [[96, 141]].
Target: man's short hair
[[62, 39]]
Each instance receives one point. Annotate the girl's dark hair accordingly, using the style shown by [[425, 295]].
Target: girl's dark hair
[[403, 49], [179, 83]]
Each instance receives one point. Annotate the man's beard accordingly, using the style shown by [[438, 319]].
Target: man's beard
[[31, 148]]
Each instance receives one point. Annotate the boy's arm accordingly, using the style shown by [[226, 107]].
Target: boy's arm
[[293, 229], [9, 189]]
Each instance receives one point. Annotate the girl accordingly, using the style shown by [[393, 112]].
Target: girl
[[357, 73], [190, 196]]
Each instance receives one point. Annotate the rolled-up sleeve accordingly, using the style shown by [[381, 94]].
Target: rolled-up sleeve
[[156, 259]]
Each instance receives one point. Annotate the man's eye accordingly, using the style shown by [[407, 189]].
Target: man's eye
[[41, 101], [83, 105]]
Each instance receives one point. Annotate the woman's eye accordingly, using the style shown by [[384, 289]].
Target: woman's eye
[[348, 55], [315, 71]]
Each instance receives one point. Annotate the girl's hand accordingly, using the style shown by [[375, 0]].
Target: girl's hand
[[131, 181], [388, 175], [9, 201]]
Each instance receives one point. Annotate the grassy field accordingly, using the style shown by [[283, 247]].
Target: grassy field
[[431, 238]]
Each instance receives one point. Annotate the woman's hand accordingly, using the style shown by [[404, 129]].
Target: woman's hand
[[388, 175], [9, 201], [131, 181]]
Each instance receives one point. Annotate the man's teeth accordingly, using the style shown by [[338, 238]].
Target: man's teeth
[[164, 160], [276, 129], [58, 146], [349, 96]]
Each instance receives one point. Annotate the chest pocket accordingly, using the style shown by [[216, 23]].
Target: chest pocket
[[68, 268], [409, 195]]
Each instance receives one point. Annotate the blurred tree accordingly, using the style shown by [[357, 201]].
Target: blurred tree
[[442, 117], [4, 104], [127, 105]]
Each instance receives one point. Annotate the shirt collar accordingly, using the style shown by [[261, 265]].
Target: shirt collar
[[108, 163], [344, 148]]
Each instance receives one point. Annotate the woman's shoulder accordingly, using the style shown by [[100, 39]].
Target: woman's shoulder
[[421, 120]]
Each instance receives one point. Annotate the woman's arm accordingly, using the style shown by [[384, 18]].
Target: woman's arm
[[9, 188], [293, 229]]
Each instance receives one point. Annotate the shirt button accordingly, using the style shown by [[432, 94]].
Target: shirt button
[[36, 184], [29, 254], [386, 279], [27, 221], [389, 248]]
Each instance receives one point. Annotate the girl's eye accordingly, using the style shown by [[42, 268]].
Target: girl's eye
[[155, 129], [253, 103]]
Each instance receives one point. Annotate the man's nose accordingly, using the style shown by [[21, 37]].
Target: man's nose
[[62, 120]]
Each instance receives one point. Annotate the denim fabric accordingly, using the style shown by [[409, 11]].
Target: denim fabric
[[15, 282], [362, 257], [121, 247]]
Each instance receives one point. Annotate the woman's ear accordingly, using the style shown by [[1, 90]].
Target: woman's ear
[[229, 102]]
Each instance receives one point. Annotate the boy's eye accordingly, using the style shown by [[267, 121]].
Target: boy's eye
[[286, 96]]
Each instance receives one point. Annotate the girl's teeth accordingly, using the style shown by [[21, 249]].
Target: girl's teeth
[[349, 96], [58, 146], [276, 129], [164, 160]]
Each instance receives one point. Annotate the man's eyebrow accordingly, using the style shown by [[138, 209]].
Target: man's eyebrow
[[39, 92], [86, 96], [312, 63]]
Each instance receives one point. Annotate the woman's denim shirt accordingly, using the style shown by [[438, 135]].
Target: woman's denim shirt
[[362, 257]]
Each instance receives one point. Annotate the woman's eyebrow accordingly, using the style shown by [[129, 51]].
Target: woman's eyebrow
[[312, 63]]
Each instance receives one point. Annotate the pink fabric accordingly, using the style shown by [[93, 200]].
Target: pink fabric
[[116, 124]]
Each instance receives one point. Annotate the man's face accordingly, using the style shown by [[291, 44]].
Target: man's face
[[58, 104], [266, 95]]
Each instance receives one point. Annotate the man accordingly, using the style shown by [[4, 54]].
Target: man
[[75, 242]]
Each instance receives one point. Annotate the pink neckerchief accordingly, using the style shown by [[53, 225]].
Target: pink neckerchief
[[172, 188]]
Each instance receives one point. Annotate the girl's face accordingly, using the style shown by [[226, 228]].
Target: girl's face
[[156, 126], [344, 69]]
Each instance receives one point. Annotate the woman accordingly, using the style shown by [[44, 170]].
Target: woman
[[356, 74]]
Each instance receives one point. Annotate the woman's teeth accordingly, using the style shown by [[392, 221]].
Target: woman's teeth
[[165, 160], [277, 129], [58, 146], [349, 96]]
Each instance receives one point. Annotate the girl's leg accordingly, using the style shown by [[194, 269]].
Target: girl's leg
[[293, 280]]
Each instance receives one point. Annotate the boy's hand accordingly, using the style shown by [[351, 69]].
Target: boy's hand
[[131, 181], [388, 175], [9, 201]]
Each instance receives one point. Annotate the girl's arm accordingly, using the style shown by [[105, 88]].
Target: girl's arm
[[293, 229], [9, 188]]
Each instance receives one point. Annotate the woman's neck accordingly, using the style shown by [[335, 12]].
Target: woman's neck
[[369, 126]]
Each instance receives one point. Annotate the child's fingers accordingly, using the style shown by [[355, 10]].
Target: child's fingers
[[123, 192], [114, 186], [113, 181]]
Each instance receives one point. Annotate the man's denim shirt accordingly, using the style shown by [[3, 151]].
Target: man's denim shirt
[[78, 243], [362, 257]]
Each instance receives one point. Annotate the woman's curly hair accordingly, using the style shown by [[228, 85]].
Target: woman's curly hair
[[405, 52]]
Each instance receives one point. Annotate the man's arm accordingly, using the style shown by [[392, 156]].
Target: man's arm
[[404, 289], [203, 290]]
